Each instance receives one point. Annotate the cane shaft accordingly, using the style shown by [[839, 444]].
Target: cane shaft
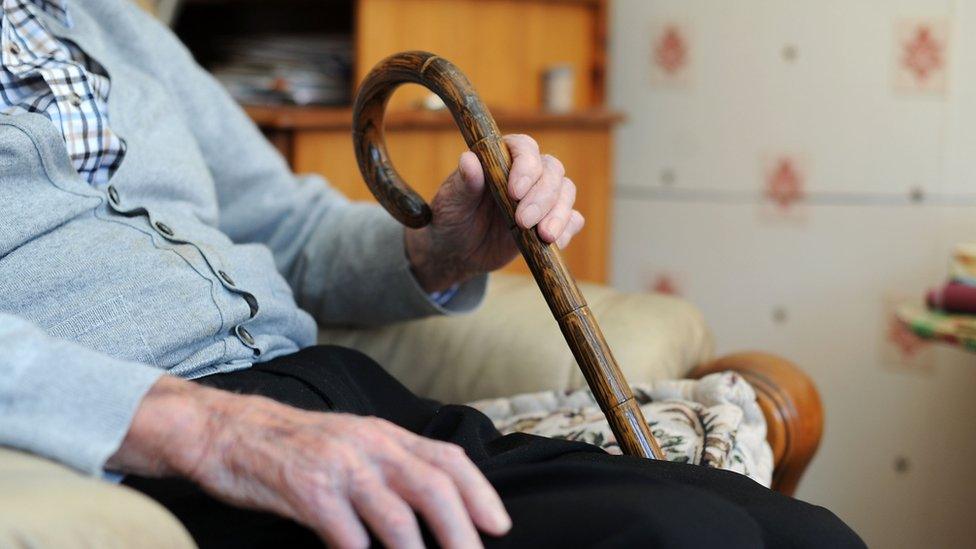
[[579, 327]]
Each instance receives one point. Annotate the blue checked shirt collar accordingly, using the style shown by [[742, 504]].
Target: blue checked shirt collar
[[39, 73], [55, 8]]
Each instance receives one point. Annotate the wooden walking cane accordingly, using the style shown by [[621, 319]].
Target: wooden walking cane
[[578, 325]]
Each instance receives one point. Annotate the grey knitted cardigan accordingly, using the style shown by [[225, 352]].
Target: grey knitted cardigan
[[207, 261]]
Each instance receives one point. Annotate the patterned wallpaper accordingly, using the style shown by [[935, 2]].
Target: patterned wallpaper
[[795, 169]]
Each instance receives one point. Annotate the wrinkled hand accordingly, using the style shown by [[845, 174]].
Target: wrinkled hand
[[331, 472], [468, 235]]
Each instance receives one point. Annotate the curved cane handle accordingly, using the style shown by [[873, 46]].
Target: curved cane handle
[[483, 138]]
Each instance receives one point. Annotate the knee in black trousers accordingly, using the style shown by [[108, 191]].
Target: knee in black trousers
[[571, 502]]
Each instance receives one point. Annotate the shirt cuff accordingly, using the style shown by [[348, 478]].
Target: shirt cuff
[[441, 298]]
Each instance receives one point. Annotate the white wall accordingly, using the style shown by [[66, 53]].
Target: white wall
[[819, 82]]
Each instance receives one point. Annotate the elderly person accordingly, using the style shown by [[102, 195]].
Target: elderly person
[[149, 236]]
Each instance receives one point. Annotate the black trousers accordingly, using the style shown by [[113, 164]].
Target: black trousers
[[559, 493]]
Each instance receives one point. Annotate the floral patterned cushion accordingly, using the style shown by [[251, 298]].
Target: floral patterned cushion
[[714, 421]]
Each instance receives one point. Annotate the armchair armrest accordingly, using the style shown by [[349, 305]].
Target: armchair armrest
[[44, 504], [791, 405], [513, 345]]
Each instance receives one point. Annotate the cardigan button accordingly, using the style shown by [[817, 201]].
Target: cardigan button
[[226, 277], [244, 335], [113, 195], [163, 228]]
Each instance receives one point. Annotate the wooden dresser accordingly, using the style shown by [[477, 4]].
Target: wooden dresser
[[504, 46]]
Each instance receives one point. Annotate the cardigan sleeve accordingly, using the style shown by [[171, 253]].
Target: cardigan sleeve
[[345, 261], [65, 401]]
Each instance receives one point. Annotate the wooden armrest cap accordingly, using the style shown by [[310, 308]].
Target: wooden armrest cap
[[791, 405]]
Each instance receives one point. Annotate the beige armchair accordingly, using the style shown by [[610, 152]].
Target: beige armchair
[[510, 345]]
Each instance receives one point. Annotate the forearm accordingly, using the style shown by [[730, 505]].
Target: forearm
[[170, 431], [219, 440], [185, 429]]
